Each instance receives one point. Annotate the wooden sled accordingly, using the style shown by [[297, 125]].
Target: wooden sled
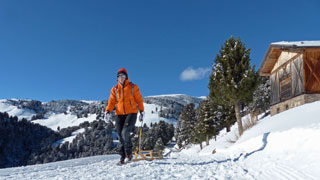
[[148, 155]]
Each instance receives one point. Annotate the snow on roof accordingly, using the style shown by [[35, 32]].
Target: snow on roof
[[297, 43]]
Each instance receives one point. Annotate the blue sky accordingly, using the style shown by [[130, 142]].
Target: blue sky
[[72, 49]]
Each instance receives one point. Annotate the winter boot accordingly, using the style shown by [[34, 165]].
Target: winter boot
[[129, 158], [121, 162]]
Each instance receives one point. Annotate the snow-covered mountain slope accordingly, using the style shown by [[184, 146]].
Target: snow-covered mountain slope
[[173, 98], [14, 110], [170, 107], [285, 146], [64, 120], [69, 139], [66, 113]]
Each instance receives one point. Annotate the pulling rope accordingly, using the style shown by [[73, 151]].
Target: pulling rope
[[140, 136]]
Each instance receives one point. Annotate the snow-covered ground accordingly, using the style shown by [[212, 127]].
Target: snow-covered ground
[[64, 120], [70, 138], [284, 146]]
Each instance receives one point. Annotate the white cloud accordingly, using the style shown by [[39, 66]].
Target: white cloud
[[191, 74]]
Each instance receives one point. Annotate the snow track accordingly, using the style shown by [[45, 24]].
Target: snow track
[[282, 171], [178, 166], [103, 167]]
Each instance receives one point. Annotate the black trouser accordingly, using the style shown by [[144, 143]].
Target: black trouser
[[124, 125]]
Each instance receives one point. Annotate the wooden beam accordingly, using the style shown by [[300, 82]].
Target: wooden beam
[[305, 70], [267, 62], [299, 71], [293, 50], [298, 74], [315, 67], [314, 59]]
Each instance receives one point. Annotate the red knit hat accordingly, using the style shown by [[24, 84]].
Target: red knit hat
[[123, 70]]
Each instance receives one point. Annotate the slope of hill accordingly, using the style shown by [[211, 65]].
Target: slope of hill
[[284, 146]]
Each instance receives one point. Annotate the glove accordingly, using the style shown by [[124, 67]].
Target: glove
[[141, 117], [107, 116]]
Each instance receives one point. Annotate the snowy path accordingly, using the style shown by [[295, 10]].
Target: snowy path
[[254, 164], [180, 167], [103, 167]]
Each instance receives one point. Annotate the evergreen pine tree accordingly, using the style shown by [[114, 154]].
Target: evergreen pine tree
[[227, 116], [204, 123], [233, 80], [185, 128], [209, 120], [199, 134], [261, 97], [177, 132], [159, 145]]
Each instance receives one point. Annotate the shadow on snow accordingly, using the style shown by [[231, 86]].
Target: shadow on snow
[[264, 141]]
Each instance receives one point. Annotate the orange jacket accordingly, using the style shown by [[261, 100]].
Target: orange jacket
[[125, 102]]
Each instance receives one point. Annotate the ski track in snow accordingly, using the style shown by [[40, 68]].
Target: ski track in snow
[[269, 168]]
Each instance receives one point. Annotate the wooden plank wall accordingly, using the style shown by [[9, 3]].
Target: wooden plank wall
[[284, 57], [297, 76], [287, 80], [275, 91], [312, 70]]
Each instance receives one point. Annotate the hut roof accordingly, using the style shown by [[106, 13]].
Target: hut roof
[[275, 49]]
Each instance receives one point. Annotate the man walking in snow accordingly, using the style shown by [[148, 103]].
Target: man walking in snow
[[126, 97]]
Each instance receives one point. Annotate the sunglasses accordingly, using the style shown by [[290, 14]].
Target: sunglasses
[[122, 75]]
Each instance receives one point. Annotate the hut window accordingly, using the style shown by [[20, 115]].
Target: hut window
[[285, 89]]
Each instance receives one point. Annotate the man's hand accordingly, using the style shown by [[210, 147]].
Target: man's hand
[[107, 116], [141, 117]]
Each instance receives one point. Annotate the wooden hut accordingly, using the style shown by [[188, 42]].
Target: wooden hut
[[294, 70]]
